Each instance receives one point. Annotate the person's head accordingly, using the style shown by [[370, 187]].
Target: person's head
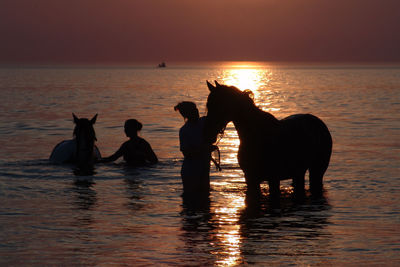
[[132, 126], [188, 110]]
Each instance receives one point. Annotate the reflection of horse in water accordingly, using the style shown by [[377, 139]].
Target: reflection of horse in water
[[81, 150], [270, 149]]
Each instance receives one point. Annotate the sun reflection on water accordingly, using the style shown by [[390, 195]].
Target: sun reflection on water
[[256, 78], [253, 76], [229, 230], [247, 76], [230, 142], [244, 78]]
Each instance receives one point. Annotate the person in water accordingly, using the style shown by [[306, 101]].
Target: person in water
[[195, 170], [136, 151]]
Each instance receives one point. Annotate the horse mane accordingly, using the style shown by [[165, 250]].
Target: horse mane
[[89, 127], [246, 97]]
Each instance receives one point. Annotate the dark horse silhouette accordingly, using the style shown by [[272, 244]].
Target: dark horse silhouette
[[81, 150], [270, 149]]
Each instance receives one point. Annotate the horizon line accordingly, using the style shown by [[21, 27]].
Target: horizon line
[[177, 63]]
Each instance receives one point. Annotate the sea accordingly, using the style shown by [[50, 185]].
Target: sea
[[137, 217]]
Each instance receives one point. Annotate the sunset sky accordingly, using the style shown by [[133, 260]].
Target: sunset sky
[[127, 31]]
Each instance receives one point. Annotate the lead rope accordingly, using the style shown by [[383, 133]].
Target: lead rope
[[217, 162]]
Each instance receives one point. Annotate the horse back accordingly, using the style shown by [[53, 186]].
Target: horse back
[[63, 152], [297, 142], [306, 134], [292, 145]]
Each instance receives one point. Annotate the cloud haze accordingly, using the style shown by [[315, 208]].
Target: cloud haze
[[125, 31]]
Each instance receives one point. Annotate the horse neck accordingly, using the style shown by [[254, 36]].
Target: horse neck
[[250, 121], [84, 149]]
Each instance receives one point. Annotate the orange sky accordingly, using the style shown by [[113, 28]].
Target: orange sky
[[126, 31]]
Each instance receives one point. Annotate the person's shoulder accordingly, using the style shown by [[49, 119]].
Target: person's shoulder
[[125, 144], [141, 141]]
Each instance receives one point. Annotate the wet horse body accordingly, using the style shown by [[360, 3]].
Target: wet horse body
[[270, 149], [81, 150]]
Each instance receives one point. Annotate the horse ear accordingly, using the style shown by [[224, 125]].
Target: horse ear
[[75, 118], [217, 84], [210, 86], [93, 120]]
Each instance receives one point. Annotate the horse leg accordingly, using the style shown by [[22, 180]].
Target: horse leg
[[316, 175], [253, 186], [317, 171], [274, 188], [320, 161], [298, 184]]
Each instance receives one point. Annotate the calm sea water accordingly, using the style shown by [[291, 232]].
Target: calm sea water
[[136, 216]]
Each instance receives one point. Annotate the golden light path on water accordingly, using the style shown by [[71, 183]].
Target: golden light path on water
[[255, 78], [229, 230], [252, 76]]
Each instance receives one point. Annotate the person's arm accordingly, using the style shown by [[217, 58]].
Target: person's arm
[[150, 156], [114, 156]]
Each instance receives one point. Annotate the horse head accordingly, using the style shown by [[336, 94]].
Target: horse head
[[85, 138], [223, 105]]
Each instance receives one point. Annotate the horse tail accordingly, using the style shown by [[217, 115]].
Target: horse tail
[[324, 140], [322, 150]]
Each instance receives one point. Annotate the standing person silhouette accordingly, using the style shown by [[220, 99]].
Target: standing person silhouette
[[195, 170], [136, 151]]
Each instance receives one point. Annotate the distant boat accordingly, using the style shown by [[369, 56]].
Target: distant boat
[[162, 65]]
